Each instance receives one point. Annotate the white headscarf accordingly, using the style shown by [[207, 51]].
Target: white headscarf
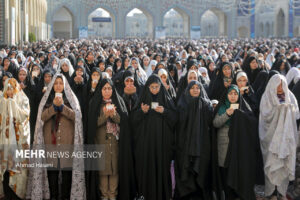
[[293, 75], [20, 54], [141, 74], [181, 54], [27, 61], [149, 69], [204, 70], [214, 55], [67, 61], [278, 135], [38, 187]]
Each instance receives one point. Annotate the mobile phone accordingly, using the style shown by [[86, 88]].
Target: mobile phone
[[154, 105], [58, 94]]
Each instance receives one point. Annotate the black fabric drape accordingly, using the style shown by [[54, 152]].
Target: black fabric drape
[[153, 143], [193, 146]]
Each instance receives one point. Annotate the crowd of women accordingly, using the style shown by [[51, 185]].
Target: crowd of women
[[178, 119]]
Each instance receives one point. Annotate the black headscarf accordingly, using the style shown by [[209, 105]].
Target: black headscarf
[[8, 74], [193, 144], [217, 87], [278, 64], [88, 95], [252, 74], [183, 82]]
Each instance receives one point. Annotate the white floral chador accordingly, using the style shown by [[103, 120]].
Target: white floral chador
[[14, 135], [38, 187], [278, 135]]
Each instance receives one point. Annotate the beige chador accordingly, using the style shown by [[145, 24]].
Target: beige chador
[[14, 135]]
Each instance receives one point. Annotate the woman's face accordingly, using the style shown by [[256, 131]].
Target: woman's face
[[22, 76], [224, 58], [79, 72], [163, 78], [95, 76], [47, 78], [233, 96], [107, 91], [102, 67], [90, 57], [160, 66], [280, 89], [158, 58], [58, 85], [80, 63], [195, 91], [134, 64], [242, 82], [204, 74], [172, 73], [65, 67], [54, 62], [10, 92], [111, 59], [227, 71], [253, 64], [109, 71], [154, 88], [119, 63], [6, 63], [178, 66], [146, 61], [194, 67], [192, 77], [126, 62], [282, 66], [129, 82], [36, 69]]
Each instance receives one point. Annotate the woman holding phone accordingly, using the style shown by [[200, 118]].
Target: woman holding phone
[[59, 125], [237, 146], [154, 118], [108, 126]]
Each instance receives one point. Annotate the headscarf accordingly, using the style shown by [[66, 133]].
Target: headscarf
[[226, 104], [149, 69], [204, 70], [66, 61], [293, 76], [38, 187], [278, 135], [142, 76]]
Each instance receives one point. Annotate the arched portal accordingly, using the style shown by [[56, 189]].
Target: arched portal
[[139, 23], [101, 23], [63, 23]]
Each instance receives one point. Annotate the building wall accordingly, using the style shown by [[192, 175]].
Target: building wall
[[18, 18], [41, 18]]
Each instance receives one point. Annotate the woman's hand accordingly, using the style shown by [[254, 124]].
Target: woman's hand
[[145, 108], [159, 109], [229, 111], [109, 112], [94, 84], [58, 101]]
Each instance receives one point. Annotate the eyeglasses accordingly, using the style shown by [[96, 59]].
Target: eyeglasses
[[154, 87]]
